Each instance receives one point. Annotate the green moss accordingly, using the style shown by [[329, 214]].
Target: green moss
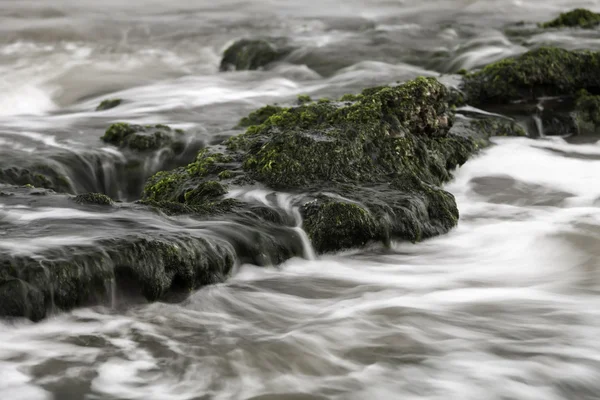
[[362, 141], [383, 153], [259, 116], [350, 97], [208, 162], [227, 174], [587, 113], [579, 17], [303, 99], [334, 225], [462, 72], [108, 104], [93, 198], [546, 71], [40, 175], [143, 138]]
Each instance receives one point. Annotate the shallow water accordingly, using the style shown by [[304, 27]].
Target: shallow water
[[503, 307]]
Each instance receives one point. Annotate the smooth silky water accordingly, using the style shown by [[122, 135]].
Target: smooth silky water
[[505, 306]]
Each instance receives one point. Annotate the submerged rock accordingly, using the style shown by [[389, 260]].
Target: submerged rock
[[579, 17], [44, 176], [93, 198], [587, 113], [546, 71], [125, 253], [144, 138], [108, 104], [252, 54]]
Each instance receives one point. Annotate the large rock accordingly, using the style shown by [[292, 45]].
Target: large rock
[[368, 166]]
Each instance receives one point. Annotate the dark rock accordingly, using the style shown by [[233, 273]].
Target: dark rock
[[108, 104], [144, 138], [385, 152], [543, 72], [93, 198], [587, 113], [579, 17], [252, 54]]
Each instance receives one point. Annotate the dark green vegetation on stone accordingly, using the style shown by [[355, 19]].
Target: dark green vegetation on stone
[[384, 152], [108, 104], [93, 198], [546, 71], [143, 138], [587, 113], [252, 54], [579, 17], [39, 176], [259, 116]]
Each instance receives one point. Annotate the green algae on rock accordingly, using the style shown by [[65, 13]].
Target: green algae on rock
[[252, 54], [108, 104], [93, 198], [43, 176], [579, 17], [143, 138], [546, 71], [587, 113], [259, 116], [384, 151]]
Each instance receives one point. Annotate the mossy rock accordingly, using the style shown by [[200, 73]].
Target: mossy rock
[[43, 176], [357, 147], [587, 113], [252, 54], [144, 138], [385, 131], [577, 18], [152, 267], [546, 71], [93, 198], [176, 185], [108, 104], [259, 116], [404, 209], [333, 225], [497, 126]]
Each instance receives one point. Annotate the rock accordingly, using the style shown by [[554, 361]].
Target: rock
[[546, 71], [128, 253], [93, 198], [579, 17], [252, 54], [45, 176], [384, 151], [144, 138], [108, 104], [587, 113], [498, 126]]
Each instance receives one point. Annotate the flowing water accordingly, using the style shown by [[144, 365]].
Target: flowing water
[[506, 306]]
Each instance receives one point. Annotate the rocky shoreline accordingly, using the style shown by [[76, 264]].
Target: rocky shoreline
[[364, 168]]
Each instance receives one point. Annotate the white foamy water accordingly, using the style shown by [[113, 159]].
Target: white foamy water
[[505, 306]]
